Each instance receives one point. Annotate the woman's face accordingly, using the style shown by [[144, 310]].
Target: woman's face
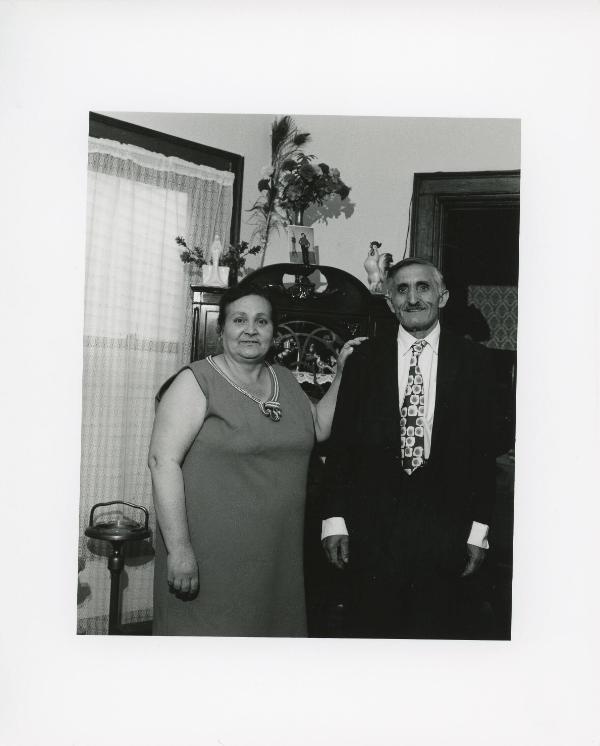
[[248, 330]]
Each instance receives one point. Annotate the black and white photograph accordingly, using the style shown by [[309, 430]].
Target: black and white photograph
[[375, 499], [294, 297], [302, 244]]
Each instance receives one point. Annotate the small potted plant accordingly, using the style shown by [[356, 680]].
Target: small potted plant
[[234, 257]]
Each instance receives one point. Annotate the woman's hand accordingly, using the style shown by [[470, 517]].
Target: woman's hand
[[323, 411], [347, 350], [182, 572]]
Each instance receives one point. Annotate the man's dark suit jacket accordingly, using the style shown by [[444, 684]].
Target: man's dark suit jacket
[[391, 528]]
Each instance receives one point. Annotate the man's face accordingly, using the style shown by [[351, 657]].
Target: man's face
[[416, 298]]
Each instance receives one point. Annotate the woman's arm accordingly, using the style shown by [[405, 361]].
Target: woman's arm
[[323, 411], [178, 419]]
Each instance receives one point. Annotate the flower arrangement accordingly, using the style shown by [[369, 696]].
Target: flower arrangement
[[292, 182], [234, 257], [303, 183]]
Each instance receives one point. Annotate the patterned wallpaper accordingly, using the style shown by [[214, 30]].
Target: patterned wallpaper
[[498, 304]]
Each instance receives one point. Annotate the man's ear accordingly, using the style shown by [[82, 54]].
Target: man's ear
[[444, 297], [387, 290]]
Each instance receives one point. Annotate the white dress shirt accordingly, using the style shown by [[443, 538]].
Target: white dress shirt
[[428, 362]]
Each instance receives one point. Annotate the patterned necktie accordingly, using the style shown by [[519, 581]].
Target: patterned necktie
[[412, 415]]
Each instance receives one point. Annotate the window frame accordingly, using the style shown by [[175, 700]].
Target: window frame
[[102, 126]]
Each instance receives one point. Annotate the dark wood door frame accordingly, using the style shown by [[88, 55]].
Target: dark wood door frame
[[435, 194], [435, 197]]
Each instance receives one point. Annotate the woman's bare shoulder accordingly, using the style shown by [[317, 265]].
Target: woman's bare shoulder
[[182, 386]]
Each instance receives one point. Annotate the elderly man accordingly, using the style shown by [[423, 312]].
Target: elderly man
[[410, 476]]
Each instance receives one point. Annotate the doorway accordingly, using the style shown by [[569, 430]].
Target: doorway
[[467, 224]]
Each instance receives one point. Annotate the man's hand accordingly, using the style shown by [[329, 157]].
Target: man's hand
[[182, 572], [476, 557], [337, 549]]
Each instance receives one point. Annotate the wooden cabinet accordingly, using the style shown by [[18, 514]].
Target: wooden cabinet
[[338, 309], [205, 312]]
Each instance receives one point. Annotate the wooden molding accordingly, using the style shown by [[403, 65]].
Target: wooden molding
[[435, 194]]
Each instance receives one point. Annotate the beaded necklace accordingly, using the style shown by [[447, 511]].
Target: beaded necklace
[[270, 408]]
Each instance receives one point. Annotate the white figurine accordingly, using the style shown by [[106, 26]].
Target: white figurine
[[384, 262], [371, 265], [377, 266], [212, 274]]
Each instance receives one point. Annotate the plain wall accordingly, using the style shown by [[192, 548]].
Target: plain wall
[[377, 158]]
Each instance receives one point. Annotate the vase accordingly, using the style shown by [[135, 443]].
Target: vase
[[215, 276]]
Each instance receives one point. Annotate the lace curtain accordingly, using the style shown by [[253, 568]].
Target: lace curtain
[[137, 328]]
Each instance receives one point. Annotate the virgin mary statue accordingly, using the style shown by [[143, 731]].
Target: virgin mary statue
[[212, 274]]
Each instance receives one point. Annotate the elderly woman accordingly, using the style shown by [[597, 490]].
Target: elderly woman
[[229, 459]]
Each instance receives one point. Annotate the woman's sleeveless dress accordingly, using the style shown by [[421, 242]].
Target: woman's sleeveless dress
[[245, 488]]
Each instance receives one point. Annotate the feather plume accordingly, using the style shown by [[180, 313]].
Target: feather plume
[[278, 196], [282, 130], [301, 138]]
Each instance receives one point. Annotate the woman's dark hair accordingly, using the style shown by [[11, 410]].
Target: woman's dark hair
[[241, 291]]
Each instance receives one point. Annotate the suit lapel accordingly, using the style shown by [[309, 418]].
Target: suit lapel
[[447, 375], [388, 406]]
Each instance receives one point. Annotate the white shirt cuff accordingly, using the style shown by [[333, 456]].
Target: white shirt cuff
[[337, 525], [332, 526], [478, 535]]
